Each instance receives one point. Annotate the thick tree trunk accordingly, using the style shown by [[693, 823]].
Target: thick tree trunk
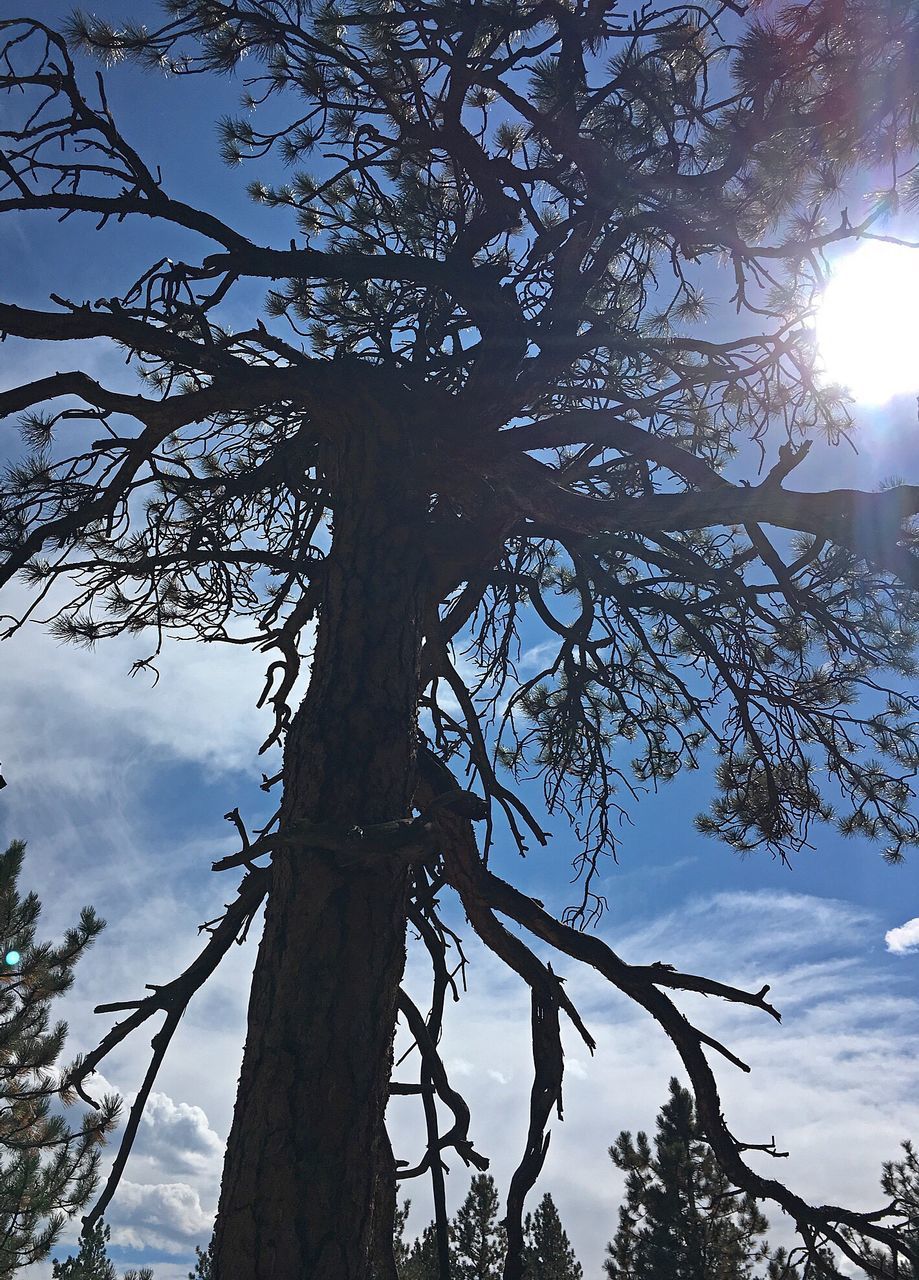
[[297, 1195]]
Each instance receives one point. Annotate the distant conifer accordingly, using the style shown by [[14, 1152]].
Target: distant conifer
[[478, 1239], [549, 1255], [92, 1261], [681, 1219]]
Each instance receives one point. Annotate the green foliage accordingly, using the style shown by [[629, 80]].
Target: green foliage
[[92, 1262], [680, 1219], [37, 1195], [420, 1261], [478, 1240], [548, 1254], [900, 1184], [204, 1263], [401, 1250]]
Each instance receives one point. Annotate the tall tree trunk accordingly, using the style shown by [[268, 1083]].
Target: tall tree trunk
[[297, 1195]]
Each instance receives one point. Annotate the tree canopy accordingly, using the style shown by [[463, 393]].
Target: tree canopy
[[679, 1220], [479, 396]]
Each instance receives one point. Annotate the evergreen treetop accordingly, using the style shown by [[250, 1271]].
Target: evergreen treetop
[[682, 1218], [548, 1254], [91, 1261], [478, 1240]]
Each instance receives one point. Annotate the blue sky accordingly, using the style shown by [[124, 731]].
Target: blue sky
[[119, 788]]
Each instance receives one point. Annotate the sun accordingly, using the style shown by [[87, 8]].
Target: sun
[[867, 323]]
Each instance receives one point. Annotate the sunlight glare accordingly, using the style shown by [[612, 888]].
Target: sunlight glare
[[867, 323]]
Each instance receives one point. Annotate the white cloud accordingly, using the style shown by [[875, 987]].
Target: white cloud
[[904, 939], [165, 1215], [176, 1134]]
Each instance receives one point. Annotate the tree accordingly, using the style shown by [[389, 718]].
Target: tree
[[900, 1183], [479, 1241], [422, 1261], [681, 1219], [37, 1194], [548, 1255], [204, 1263], [92, 1262], [478, 398]]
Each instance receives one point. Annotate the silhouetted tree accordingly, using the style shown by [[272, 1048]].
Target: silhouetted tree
[[92, 1262], [682, 1219], [479, 1241], [46, 1171], [479, 391], [548, 1254], [421, 1262]]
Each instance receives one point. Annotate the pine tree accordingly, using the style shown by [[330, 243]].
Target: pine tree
[[478, 397], [204, 1263], [549, 1255], [92, 1262], [420, 1262], [479, 1241], [34, 974], [417, 1261], [679, 1221], [900, 1183]]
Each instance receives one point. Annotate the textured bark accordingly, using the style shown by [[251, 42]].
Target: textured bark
[[298, 1186]]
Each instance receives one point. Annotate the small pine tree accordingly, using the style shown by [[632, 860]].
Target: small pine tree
[[679, 1220], [92, 1261], [204, 1263], [33, 1192], [420, 1262], [548, 1252], [479, 1241]]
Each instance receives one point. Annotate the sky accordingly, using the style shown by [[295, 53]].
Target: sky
[[119, 788]]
